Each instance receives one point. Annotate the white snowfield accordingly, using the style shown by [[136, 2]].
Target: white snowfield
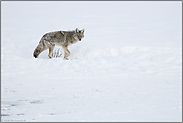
[[128, 67]]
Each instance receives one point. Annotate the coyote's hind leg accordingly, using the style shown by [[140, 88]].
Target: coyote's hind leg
[[52, 46]]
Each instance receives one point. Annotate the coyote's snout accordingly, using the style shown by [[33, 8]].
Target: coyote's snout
[[60, 38]]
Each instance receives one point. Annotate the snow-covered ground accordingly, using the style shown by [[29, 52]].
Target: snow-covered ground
[[128, 67]]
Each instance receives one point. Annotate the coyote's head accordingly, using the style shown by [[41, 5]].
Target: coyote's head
[[79, 34]]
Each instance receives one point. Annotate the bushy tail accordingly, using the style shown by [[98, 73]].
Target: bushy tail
[[38, 50]]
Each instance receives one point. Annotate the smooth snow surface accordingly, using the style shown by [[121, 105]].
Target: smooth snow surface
[[128, 67]]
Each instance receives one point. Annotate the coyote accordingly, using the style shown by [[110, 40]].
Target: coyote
[[60, 38]]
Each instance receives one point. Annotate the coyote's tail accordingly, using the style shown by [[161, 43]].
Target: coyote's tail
[[38, 50]]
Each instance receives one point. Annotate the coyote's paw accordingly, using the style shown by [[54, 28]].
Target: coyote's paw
[[49, 56], [66, 58]]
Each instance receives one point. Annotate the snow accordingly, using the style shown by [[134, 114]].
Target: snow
[[128, 67]]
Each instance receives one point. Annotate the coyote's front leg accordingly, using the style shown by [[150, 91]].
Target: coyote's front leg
[[66, 53]]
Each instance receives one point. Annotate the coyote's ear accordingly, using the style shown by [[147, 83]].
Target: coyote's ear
[[77, 30], [82, 31]]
